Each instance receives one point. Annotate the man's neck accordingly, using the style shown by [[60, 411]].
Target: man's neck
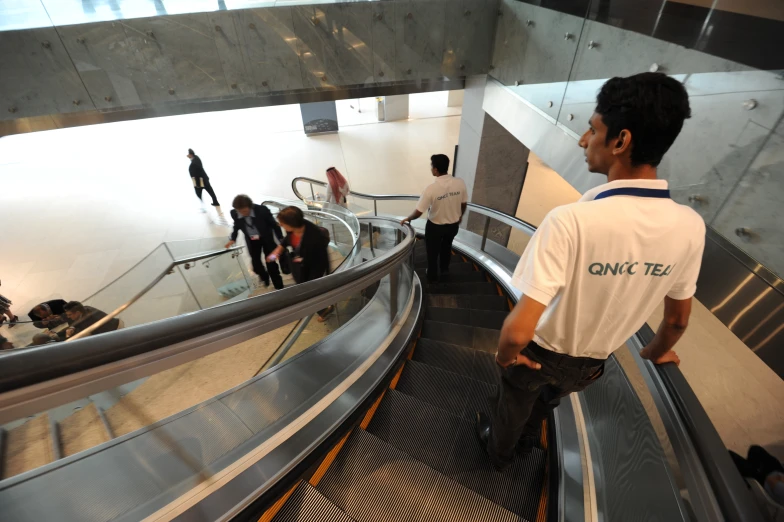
[[622, 172]]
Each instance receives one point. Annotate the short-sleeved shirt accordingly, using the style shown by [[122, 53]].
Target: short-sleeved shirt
[[444, 197], [602, 265]]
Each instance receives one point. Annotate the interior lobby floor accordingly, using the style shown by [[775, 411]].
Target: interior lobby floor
[[80, 206]]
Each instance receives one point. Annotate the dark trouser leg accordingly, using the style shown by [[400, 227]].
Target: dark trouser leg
[[518, 391], [273, 269], [199, 191], [433, 237], [255, 251], [211, 192], [445, 253]]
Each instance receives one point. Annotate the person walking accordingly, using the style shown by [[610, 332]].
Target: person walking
[[308, 244], [201, 181], [595, 270], [337, 188], [447, 199], [261, 232]]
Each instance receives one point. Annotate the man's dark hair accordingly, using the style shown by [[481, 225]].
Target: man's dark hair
[[652, 106], [242, 201], [292, 216], [75, 306], [190, 151], [440, 162]]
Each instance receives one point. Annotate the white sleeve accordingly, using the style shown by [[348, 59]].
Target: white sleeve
[[424, 201], [542, 270], [330, 195], [688, 270]]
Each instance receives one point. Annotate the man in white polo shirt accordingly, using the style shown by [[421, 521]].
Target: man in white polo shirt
[[595, 270], [447, 199]]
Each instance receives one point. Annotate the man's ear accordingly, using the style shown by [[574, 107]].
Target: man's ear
[[623, 142]]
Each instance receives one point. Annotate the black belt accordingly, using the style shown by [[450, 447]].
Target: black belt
[[560, 359]]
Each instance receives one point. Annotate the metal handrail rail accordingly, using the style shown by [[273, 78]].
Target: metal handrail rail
[[488, 212], [120, 309], [23, 378]]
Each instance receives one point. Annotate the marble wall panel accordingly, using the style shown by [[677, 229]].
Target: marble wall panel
[[755, 204], [110, 68], [498, 182], [182, 59], [231, 51], [336, 44], [37, 76], [511, 40], [384, 42], [419, 38], [470, 25], [271, 48]]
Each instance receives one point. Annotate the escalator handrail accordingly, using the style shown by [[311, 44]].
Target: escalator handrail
[[502, 217], [120, 309], [39, 364], [728, 486]]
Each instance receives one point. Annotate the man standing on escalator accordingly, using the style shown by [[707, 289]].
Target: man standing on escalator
[[595, 270], [262, 236]]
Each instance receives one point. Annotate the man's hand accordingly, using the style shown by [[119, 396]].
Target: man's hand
[[404, 221], [668, 357], [520, 360], [230, 244], [69, 332]]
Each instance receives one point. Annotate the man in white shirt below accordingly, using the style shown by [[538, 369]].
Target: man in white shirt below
[[447, 199], [596, 269]]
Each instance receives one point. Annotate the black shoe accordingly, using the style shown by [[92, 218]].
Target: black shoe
[[482, 427], [215, 204], [266, 283], [526, 445]]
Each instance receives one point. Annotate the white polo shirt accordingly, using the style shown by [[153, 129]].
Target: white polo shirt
[[603, 264], [444, 197]]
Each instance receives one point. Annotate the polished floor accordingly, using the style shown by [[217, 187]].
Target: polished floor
[[80, 206]]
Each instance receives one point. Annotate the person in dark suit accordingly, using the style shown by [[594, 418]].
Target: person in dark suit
[[308, 245], [48, 314], [261, 231], [201, 181], [81, 317]]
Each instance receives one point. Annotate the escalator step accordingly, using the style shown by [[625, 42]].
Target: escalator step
[[471, 302], [373, 481], [458, 359], [518, 489], [307, 504], [455, 393], [474, 337], [485, 288], [480, 318], [427, 434]]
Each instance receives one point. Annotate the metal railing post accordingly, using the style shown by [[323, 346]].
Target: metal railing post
[[484, 234], [393, 287], [370, 238], [375, 206], [312, 194]]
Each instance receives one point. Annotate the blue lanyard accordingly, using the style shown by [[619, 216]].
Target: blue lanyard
[[634, 191]]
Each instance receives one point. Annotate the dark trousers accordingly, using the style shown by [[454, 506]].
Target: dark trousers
[[758, 465], [257, 249], [525, 397], [438, 242], [209, 190]]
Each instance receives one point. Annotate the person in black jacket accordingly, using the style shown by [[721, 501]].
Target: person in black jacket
[[81, 317], [48, 314], [201, 181], [261, 230], [308, 244]]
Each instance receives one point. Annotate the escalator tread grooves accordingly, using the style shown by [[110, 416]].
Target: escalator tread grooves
[[308, 504], [373, 481]]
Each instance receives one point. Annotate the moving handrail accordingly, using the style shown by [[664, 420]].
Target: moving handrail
[[74, 370], [728, 487]]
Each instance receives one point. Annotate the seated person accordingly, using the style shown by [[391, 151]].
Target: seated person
[[42, 338], [81, 317], [5, 344], [48, 314], [5, 311]]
